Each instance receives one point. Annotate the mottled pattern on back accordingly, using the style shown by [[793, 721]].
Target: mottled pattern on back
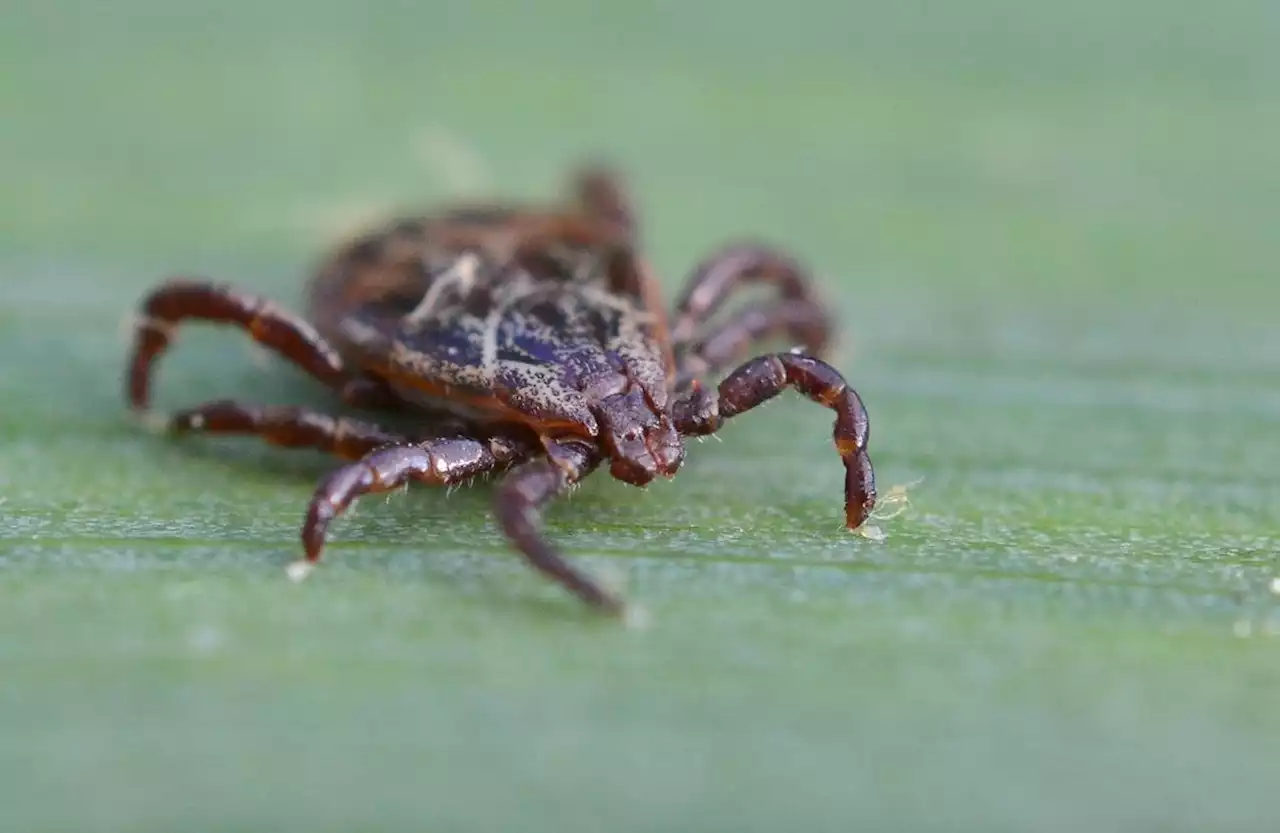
[[539, 338]]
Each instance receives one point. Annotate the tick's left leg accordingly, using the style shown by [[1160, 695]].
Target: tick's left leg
[[288, 427], [275, 328], [738, 265], [759, 380]]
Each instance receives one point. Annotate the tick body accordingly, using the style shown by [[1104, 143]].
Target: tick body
[[527, 340]]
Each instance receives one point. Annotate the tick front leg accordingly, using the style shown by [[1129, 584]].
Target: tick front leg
[[734, 266], [446, 461], [288, 427], [522, 495], [763, 378], [728, 344], [275, 328]]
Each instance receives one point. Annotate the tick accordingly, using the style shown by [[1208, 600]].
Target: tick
[[524, 339]]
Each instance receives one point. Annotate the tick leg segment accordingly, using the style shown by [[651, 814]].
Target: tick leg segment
[[801, 320], [518, 501], [444, 461], [734, 266], [763, 378], [286, 426], [273, 327], [602, 194]]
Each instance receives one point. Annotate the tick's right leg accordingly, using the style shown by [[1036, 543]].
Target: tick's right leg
[[275, 328], [702, 412], [444, 461]]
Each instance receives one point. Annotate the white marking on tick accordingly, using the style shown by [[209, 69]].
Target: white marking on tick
[[515, 294], [596, 295], [461, 275]]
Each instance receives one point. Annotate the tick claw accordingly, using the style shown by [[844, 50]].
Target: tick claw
[[299, 570]]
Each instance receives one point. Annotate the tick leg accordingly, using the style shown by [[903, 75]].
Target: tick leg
[[601, 193], [801, 320], [444, 461], [518, 501], [273, 327], [734, 266], [286, 426], [763, 378]]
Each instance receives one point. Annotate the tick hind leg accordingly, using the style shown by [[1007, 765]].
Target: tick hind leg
[[602, 194], [271, 326], [288, 427], [739, 265], [759, 380], [731, 342], [518, 501], [444, 461]]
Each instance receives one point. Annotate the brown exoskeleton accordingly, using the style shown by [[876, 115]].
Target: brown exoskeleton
[[529, 339]]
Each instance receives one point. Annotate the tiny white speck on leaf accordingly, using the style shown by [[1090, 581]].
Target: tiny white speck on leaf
[[895, 501], [1275, 585], [636, 618], [871, 532], [204, 639], [299, 570], [181, 591], [891, 504], [152, 421], [612, 579]]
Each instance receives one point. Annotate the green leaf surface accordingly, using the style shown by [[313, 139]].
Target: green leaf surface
[[1049, 231]]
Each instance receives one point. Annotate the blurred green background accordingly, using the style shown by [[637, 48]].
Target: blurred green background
[[1049, 229]]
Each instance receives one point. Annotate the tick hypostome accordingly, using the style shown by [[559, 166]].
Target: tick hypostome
[[520, 339]]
